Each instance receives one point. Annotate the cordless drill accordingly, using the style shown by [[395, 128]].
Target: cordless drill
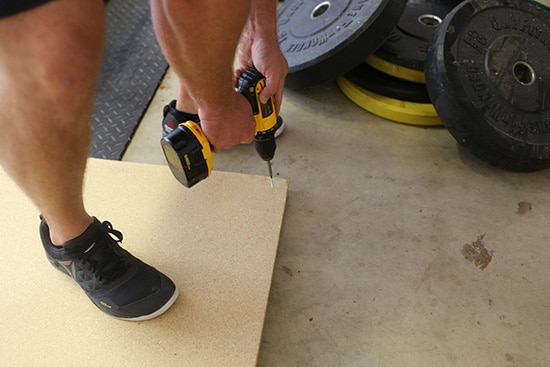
[[188, 151]]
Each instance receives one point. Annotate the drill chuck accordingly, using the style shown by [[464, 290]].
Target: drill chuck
[[264, 142], [265, 148]]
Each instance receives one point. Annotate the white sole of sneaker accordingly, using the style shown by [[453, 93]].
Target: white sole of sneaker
[[159, 312], [280, 130]]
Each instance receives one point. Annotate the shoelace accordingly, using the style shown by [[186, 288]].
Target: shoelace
[[102, 258]]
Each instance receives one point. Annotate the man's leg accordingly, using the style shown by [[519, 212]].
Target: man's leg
[[50, 58]]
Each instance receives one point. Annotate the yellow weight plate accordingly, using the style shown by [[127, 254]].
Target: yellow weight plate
[[420, 114], [397, 71]]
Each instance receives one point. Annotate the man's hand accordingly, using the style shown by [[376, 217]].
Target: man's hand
[[259, 48], [234, 124]]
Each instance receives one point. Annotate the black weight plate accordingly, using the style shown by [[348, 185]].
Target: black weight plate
[[322, 39], [408, 43], [367, 77], [488, 77]]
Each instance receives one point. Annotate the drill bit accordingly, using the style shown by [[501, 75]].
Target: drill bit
[[270, 173]]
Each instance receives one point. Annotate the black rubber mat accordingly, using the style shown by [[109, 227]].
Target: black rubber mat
[[133, 68]]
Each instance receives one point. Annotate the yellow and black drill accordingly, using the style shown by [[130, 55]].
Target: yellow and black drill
[[188, 151]]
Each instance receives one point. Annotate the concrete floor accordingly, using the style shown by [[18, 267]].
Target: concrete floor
[[371, 268]]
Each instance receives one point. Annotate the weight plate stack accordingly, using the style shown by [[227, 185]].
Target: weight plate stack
[[367, 77], [406, 112], [388, 97], [487, 75], [403, 54], [397, 71], [322, 39]]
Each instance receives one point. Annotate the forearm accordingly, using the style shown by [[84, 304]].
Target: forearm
[[262, 19]]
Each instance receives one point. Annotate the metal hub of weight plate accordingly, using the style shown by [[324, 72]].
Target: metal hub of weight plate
[[408, 42], [322, 39], [488, 77], [420, 114], [367, 77]]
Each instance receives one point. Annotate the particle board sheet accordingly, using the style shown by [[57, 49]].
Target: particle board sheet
[[217, 241]]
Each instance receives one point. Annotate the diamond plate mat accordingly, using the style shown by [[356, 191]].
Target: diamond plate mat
[[132, 70]]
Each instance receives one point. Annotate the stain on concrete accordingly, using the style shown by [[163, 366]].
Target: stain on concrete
[[477, 253], [524, 207], [288, 271]]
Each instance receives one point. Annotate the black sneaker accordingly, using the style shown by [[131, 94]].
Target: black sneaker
[[172, 118], [119, 284]]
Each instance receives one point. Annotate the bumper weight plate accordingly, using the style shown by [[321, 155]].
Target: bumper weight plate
[[410, 113], [408, 43], [397, 71], [367, 77], [488, 77], [322, 39]]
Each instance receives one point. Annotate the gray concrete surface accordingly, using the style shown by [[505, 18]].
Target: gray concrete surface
[[372, 268]]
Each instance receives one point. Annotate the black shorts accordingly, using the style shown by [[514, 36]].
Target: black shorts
[[11, 7]]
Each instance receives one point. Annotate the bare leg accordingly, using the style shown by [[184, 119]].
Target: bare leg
[[199, 39], [50, 60]]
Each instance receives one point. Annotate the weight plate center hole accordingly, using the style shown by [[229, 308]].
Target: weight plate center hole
[[320, 9], [430, 20], [524, 73]]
